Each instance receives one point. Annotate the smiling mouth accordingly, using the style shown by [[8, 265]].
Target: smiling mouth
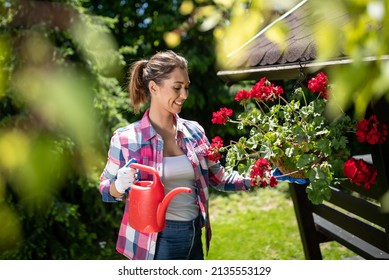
[[179, 103]]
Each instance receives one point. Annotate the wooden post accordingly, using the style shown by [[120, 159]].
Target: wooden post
[[303, 210]]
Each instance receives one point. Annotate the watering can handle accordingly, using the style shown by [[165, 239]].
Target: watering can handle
[[147, 169], [131, 161]]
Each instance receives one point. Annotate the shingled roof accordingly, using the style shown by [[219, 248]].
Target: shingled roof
[[260, 56]]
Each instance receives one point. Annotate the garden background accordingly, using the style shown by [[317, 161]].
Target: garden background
[[63, 70]]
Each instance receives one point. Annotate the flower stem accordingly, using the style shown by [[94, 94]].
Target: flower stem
[[305, 100], [283, 99], [260, 107]]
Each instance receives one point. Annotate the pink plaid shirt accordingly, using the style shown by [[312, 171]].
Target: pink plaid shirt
[[140, 141]]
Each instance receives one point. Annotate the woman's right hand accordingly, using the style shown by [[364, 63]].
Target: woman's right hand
[[126, 177]]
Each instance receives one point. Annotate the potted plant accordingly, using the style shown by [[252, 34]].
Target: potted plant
[[287, 136]]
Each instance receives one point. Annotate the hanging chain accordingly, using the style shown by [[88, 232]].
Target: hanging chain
[[301, 77]]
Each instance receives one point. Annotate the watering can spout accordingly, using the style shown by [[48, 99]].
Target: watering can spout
[[161, 214]]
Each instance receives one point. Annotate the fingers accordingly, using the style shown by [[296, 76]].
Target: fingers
[[127, 173]]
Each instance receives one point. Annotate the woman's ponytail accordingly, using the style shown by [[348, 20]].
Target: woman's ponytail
[[137, 88]]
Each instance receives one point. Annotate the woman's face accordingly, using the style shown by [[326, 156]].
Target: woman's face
[[171, 94]]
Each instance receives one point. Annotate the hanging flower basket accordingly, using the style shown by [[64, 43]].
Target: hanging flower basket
[[293, 134]]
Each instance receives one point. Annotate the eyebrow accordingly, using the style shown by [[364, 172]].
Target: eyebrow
[[182, 83]]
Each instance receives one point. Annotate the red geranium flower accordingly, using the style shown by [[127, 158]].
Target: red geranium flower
[[213, 152], [242, 95], [261, 174], [265, 91], [319, 84], [360, 172], [221, 116], [371, 131]]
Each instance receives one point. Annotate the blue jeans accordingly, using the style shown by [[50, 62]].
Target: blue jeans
[[180, 241]]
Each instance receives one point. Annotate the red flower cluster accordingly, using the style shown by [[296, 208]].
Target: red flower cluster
[[319, 84], [213, 151], [221, 116], [262, 90], [261, 174], [360, 172], [371, 131]]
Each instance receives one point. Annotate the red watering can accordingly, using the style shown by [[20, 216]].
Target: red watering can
[[148, 203]]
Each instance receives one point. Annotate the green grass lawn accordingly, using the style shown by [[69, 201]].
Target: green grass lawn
[[259, 226]]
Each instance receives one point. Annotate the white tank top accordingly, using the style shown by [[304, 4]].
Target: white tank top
[[178, 172]]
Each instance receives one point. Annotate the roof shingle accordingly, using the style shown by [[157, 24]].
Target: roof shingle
[[260, 53]]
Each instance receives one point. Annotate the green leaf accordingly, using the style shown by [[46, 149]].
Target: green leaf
[[324, 146], [299, 134], [317, 193], [306, 160], [339, 142], [253, 141], [289, 152]]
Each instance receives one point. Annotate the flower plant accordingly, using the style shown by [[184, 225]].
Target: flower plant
[[288, 137]]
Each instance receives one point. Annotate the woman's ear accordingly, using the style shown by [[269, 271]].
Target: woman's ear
[[153, 87]]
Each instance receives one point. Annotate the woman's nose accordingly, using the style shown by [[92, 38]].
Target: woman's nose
[[184, 93]]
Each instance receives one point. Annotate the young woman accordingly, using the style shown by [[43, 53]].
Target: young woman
[[176, 148]]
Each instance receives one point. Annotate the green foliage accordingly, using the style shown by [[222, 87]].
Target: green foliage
[[60, 101], [357, 33]]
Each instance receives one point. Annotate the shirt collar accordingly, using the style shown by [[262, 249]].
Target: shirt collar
[[147, 129]]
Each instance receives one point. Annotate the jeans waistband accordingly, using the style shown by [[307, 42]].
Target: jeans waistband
[[181, 224]]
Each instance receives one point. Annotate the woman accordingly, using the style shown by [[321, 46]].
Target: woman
[[176, 148]]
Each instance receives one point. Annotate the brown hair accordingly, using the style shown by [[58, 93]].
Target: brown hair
[[158, 68]]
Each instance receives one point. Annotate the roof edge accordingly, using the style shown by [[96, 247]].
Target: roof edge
[[287, 71]]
